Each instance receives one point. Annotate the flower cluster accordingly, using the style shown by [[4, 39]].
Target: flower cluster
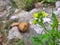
[[44, 14], [38, 16]]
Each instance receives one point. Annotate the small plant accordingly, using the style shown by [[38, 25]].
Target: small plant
[[29, 4], [23, 4], [52, 36], [16, 41]]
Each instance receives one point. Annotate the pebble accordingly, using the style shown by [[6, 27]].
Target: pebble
[[57, 12], [2, 5], [13, 18], [38, 29], [14, 33], [57, 4], [38, 5]]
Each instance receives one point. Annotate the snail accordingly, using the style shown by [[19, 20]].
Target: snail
[[14, 24], [23, 27]]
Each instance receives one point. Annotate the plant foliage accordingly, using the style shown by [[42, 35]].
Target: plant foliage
[[51, 37]]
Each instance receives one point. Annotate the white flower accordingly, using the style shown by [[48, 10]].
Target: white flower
[[46, 20]]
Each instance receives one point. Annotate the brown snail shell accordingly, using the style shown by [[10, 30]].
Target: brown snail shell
[[23, 27]]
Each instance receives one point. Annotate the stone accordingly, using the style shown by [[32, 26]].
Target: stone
[[38, 5], [4, 8], [21, 15], [14, 33], [57, 4], [37, 28], [24, 16], [57, 12], [2, 5], [13, 17], [3, 14]]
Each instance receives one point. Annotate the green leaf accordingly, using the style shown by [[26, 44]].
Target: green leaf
[[36, 41], [45, 37], [55, 22]]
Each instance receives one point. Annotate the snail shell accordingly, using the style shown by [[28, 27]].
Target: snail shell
[[23, 27]]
